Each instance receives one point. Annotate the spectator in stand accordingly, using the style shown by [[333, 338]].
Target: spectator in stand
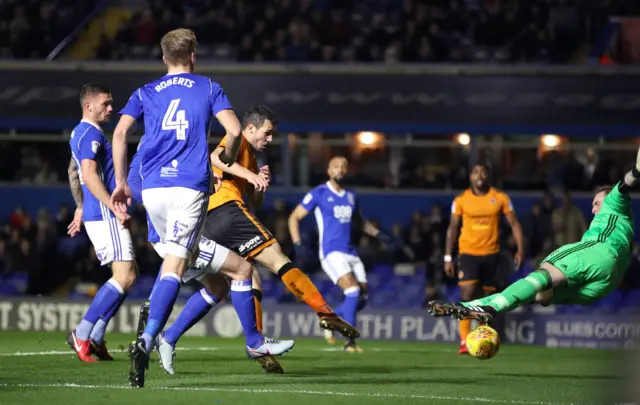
[[568, 222]]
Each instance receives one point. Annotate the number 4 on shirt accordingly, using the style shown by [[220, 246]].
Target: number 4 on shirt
[[175, 120]]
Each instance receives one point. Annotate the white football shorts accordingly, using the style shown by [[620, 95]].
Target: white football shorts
[[177, 214], [337, 264], [111, 241], [210, 259]]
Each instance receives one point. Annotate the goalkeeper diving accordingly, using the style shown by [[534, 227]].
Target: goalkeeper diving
[[579, 273]]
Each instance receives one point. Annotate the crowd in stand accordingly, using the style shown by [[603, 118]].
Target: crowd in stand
[[371, 31], [32, 29]]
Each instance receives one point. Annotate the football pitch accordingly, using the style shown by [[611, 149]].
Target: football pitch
[[38, 368]]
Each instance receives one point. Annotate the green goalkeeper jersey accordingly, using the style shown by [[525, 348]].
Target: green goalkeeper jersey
[[613, 225]]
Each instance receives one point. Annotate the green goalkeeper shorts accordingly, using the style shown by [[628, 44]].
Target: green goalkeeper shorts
[[590, 269]]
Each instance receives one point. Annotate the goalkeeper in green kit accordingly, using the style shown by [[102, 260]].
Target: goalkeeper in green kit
[[579, 273]]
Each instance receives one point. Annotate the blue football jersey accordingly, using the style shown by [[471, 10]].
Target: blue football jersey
[[135, 176], [135, 184], [177, 111], [334, 212], [88, 142]]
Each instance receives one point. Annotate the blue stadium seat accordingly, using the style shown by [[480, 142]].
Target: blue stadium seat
[[610, 303], [631, 303], [14, 284], [384, 270], [452, 294], [142, 288]]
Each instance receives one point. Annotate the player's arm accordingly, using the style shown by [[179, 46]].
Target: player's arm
[[94, 183], [125, 127], [236, 169], [370, 229], [74, 183], [296, 216], [516, 229], [231, 125], [222, 110], [631, 177], [453, 231]]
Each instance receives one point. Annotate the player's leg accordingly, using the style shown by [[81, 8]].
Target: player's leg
[[215, 288], [338, 268], [256, 290], [242, 232], [469, 269], [177, 214], [303, 288], [113, 246]]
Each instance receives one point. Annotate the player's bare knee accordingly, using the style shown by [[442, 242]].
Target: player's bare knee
[[217, 284], [348, 281], [256, 281], [236, 267], [124, 273]]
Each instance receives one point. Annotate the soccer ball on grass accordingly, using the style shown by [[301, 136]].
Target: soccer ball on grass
[[483, 342]]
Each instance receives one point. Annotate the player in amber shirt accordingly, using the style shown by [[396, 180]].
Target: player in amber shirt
[[479, 209], [231, 224]]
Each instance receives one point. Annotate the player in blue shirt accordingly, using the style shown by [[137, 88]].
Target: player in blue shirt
[[92, 169], [176, 182], [335, 209]]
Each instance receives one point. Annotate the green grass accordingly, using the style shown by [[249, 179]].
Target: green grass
[[387, 373]]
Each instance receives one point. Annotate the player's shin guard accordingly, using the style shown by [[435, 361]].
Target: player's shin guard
[[257, 301], [350, 304], [243, 302], [522, 292], [198, 305], [98, 331], [303, 288], [106, 298], [160, 307]]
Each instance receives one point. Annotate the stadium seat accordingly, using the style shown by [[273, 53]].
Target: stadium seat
[[384, 270], [142, 288], [14, 284], [631, 303], [452, 293], [609, 304]]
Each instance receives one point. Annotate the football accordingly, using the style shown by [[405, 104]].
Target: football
[[483, 342]]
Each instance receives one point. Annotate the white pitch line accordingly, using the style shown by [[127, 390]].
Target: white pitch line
[[283, 391], [63, 352], [187, 349]]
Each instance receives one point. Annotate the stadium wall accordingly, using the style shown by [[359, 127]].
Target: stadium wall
[[296, 321]]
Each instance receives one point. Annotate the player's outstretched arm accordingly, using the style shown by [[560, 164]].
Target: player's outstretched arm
[[631, 177], [260, 182]]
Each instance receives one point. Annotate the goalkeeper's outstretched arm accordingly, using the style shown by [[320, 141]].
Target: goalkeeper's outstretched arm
[[631, 177]]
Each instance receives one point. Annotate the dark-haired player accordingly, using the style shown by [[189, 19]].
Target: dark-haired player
[[479, 210], [92, 180], [579, 273]]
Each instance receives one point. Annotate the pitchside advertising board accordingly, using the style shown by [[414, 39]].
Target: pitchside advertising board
[[582, 101], [296, 321]]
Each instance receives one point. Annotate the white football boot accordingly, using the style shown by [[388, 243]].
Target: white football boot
[[270, 347], [166, 352]]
